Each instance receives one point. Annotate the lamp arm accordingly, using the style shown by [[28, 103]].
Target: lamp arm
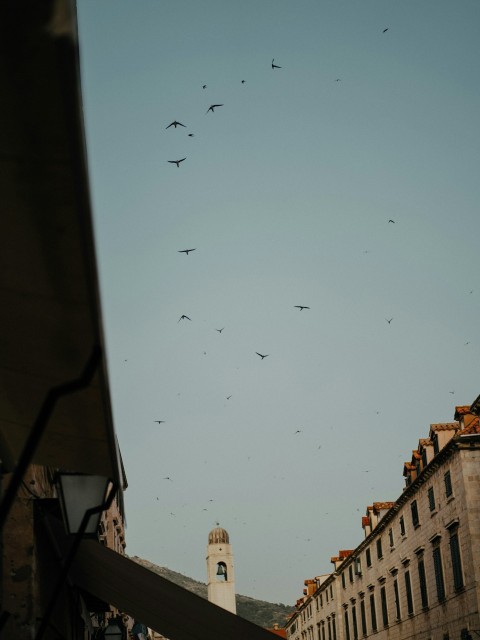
[[72, 552], [39, 427]]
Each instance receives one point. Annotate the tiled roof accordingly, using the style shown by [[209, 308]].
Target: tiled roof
[[424, 442], [381, 506], [473, 427], [416, 455], [344, 553], [444, 426], [279, 632], [462, 410], [365, 521]]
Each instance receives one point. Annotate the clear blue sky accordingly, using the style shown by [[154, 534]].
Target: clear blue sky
[[286, 193]]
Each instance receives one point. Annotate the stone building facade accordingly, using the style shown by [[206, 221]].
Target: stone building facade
[[416, 574]]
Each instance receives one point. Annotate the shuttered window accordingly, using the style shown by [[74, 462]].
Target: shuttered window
[[456, 562], [437, 565]]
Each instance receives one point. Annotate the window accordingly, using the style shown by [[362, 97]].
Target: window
[[373, 613], [436, 448], [354, 623], [456, 562], [363, 617], [347, 628], [379, 548], [424, 458], [383, 599], [326, 595], [350, 573], [408, 588], [423, 582], [431, 499], [414, 508], [331, 593], [334, 628], [323, 630], [437, 565], [368, 557], [343, 580], [329, 629], [448, 484], [402, 526], [397, 598], [390, 537]]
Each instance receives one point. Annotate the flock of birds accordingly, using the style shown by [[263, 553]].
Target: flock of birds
[[176, 124]]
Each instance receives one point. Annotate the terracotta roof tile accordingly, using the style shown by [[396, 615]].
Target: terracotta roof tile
[[344, 553], [444, 426], [279, 632], [462, 410], [381, 506], [424, 442], [473, 427], [365, 521], [416, 455]]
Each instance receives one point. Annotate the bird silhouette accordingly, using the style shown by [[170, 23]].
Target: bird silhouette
[[177, 162], [212, 107], [191, 135], [187, 251], [168, 478], [275, 66], [184, 318], [259, 354], [389, 321], [299, 306], [338, 79], [175, 124], [220, 330], [159, 421], [297, 431], [385, 30], [243, 81], [204, 86], [228, 397], [392, 221]]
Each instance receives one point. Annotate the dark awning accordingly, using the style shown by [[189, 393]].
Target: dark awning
[[160, 604], [49, 313]]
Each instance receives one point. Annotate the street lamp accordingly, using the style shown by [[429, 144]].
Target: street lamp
[[80, 493], [114, 631]]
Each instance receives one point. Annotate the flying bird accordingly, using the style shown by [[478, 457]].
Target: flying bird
[[338, 79], [168, 478], [299, 306], [259, 354], [187, 251], [177, 162], [243, 81], [385, 30], [297, 431], [275, 66], [204, 86], [159, 421], [392, 221], [220, 330], [184, 318], [175, 124], [228, 397], [191, 135], [212, 107], [389, 321]]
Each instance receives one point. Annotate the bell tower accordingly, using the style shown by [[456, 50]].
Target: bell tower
[[220, 575]]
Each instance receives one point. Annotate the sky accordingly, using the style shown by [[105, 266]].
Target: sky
[[345, 181]]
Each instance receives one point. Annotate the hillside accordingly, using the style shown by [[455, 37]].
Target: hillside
[[265, 614]]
